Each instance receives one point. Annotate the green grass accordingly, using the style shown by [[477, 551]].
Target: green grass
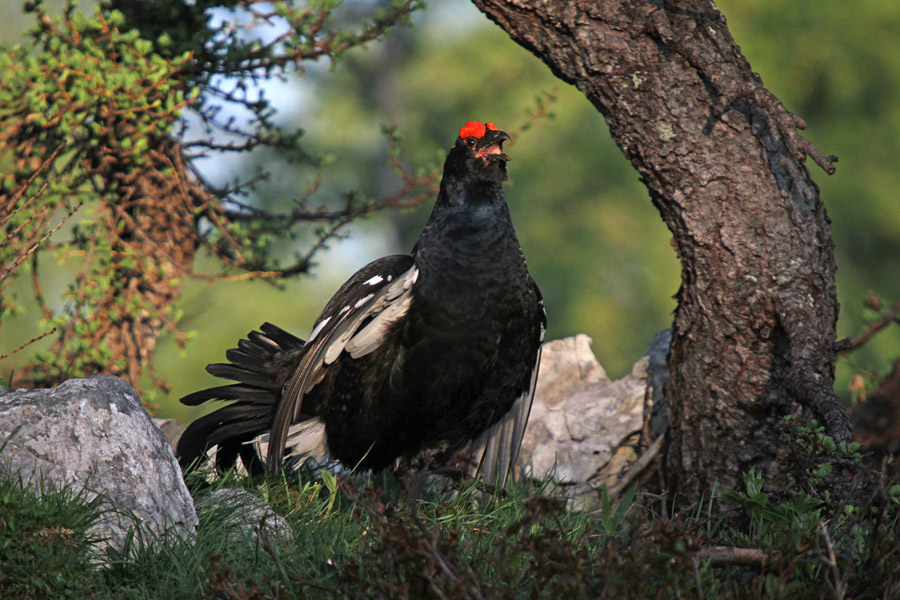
[[370, 539], [44, 540]]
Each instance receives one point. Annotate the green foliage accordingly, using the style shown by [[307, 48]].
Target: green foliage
[[845, 546], [836, 523], [816, 442], [81, 109], [790, 522], [83, 85]]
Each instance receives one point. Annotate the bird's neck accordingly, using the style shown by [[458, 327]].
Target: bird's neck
[[467, 228], [469, 192]]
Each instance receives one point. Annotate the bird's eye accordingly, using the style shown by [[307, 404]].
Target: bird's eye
[[470, 142]]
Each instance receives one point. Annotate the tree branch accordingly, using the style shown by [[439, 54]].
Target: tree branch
[[848, 345]]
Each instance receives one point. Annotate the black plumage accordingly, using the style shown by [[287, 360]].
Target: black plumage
[[436, 351]]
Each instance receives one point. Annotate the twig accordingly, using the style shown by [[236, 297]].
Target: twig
[[32, 217], [863, 509], [695, 562], [540, 112], [838, 587], [17, 195], [5, 273], [648, 409], [413, 494], [848, 345], [730, 555], [238, 276], [28, 343], [639, 465]]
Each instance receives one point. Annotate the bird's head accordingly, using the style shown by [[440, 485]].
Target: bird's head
[[478, 153]]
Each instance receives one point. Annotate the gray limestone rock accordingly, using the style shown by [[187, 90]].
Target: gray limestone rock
[[95, 433], [584, 427]]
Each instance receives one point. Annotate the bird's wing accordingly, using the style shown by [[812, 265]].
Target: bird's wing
[[355, 321], [499, 444]]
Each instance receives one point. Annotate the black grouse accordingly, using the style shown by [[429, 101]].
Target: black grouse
[[436, 351]]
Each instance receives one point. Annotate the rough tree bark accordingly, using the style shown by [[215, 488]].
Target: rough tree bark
[[754, 330]]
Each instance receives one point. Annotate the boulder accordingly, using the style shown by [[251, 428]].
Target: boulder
[[584, 429], [95, 433]]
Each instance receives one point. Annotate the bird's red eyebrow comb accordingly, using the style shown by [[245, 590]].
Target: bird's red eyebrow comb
[[474, 129]]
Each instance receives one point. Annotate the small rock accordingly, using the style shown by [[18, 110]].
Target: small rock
[[172, 429], [240, 514]]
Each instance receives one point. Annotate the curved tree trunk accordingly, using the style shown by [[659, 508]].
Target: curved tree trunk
[[754, 329]]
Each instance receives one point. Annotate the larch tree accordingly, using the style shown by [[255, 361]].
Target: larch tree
[[754, 330], [98, 169]]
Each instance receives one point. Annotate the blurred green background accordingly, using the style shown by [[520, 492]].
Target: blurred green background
[[594, 243]]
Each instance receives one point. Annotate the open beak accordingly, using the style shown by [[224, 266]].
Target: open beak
[[492, 145]]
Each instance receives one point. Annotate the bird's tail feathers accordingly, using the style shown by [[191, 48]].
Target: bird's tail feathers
[[305, 439], [260, 365]]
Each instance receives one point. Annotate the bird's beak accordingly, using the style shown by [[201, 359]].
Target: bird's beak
[[492, 144]]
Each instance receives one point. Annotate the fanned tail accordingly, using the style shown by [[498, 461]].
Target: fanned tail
[[260, 365]]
